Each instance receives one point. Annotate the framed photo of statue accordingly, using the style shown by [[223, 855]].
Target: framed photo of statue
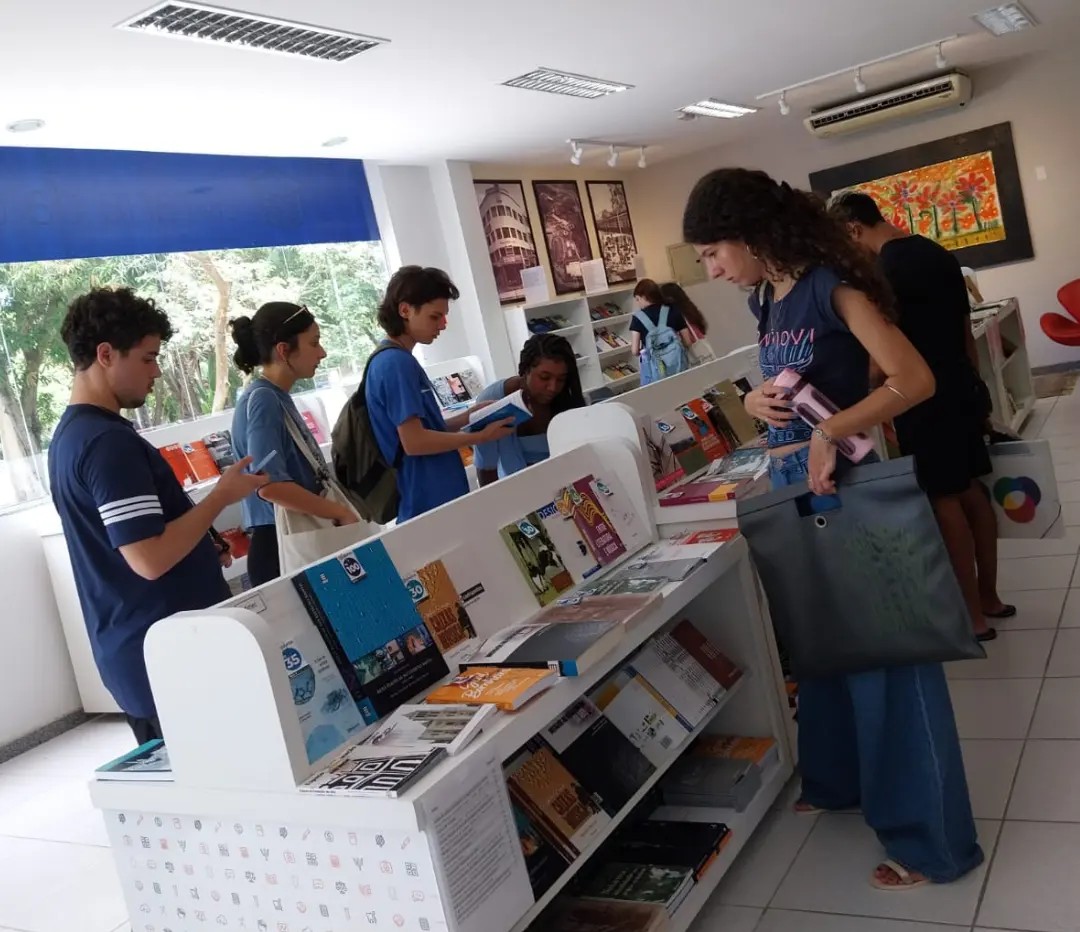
[[614, 231], [562, 220]]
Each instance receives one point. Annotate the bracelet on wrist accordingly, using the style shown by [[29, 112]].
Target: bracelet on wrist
[[819, 432]]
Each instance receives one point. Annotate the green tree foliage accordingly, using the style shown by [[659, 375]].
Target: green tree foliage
[[341, 283]]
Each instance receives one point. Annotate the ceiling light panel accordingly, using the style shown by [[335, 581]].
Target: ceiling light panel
[[716, 108], [563, 82], [244, 30], [1005, 19]]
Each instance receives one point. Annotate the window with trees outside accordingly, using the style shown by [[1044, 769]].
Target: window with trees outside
[[201, 291]]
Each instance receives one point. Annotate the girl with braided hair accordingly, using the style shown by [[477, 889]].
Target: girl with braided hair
[[884, 740], [550, 384]]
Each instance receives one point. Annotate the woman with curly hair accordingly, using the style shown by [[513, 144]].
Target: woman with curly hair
[[550, 384], [883, 740]]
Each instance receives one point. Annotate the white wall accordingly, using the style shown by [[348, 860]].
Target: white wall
[[1037, 95], [38, 685]]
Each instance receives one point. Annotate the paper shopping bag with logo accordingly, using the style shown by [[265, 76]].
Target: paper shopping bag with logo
[[859, 580], [1024, 490]]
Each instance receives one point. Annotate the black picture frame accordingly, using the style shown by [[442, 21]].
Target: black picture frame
[[615, 272], [565, 195], [996, 139]]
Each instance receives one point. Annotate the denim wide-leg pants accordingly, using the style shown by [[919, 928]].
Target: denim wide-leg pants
[[886, 741]]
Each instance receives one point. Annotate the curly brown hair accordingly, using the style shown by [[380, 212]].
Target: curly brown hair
[[789, 230]]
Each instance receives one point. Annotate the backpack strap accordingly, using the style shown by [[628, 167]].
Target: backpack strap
[[316, 462], [359, 398], [642, 318], [662, 321]]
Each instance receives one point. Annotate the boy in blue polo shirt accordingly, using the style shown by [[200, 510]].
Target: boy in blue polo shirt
[[140, 550], [404, 411]]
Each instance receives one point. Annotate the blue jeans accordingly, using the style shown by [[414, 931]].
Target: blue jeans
[[886, 740]]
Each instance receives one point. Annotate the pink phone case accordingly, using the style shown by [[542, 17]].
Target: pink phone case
[[813, 407]]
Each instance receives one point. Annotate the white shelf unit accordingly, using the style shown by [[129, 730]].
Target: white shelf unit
[[407, 862], [1004, 364], [581, 331]]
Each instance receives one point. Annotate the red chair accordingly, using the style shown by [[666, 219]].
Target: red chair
[[1060, 328]]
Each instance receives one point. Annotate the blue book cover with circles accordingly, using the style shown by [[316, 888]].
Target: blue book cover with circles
[[374, 632]]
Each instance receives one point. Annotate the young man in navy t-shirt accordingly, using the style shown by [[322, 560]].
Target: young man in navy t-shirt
[[404, 411], [140, 550]]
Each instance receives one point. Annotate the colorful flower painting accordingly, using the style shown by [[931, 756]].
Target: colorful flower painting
[[954, 202]]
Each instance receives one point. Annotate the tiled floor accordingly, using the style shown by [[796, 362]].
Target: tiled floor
[[1019, 719], [1018, 713]]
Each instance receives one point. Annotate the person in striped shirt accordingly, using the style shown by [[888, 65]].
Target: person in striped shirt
[[140, 549]]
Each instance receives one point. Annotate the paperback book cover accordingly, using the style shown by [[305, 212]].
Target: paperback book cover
[[722, 783], [485, 592], [148, 762], [579, 915], [199, 459], [684, 445], [471, 381], [728, 405], [579, 503], [314, 427], [602, 758], [668, 570], [748, 463], [557, 803], [512, 406], [626, 610], [356, 775], [576, 555], [673, 844], [665, 468], [762, 751], [631, 704], [536, 557], [714, 536], [615, 585], [621, 513], [440, 606], [719, 667], [219, 446], [544, 864], [569, 648], [415, 728], [700, 493], [696, 414], [506, 688], [641, 883], [678, 677], [374, 632]]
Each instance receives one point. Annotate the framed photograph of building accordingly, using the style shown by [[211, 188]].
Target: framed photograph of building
[[614, 232], [508, 231], [963, 191], [567, 238]]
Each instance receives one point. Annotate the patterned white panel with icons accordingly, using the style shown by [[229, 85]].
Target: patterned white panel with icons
[[182, 874]]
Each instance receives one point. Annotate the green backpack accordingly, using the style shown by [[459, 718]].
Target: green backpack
[[368, 480]]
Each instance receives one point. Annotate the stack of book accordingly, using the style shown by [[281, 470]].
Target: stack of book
[[577, 915], [547, 324], [655, 884], [605, 310], [701, 780], [360, 772], [148, 762], [606, 340], [619, 370]]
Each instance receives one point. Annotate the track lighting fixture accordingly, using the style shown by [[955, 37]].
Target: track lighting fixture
[[576, 150], [785, 107], [641, 157], [860, 84], [613, 157]]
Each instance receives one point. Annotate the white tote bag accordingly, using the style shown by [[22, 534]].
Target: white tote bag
[[1024, 490], [302, 538]]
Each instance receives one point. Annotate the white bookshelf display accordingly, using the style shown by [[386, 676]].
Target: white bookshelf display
[[1003, 360], [234, 831], [581, 330]]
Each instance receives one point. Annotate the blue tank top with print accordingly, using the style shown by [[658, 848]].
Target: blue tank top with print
[[803, 332]]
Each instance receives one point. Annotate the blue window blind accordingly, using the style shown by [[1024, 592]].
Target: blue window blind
[[77, 203]]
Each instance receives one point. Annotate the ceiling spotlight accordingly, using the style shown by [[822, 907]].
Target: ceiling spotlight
[[785, 107], [860, 84], [613, 157], [576, 151], [940, 61], [641, 158], [335, 141], [25, 126]]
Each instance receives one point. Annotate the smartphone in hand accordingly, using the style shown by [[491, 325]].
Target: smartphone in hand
[[262, 464]]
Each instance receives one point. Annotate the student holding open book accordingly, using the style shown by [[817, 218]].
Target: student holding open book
[[549, 383]]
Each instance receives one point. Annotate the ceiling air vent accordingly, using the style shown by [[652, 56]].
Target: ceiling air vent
[[245, 30], [564, 82]]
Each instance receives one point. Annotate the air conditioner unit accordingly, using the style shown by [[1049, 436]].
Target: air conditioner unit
[[948, 90]]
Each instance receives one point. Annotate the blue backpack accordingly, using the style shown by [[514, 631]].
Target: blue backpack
[[663, 353]]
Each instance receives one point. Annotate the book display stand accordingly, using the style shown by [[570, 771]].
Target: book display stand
[[232, 843], [1001, 345]]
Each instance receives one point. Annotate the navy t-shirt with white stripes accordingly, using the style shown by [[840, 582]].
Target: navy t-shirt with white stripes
[[113, 488]]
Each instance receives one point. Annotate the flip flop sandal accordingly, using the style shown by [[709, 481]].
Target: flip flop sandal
[[1006, 611], [906, 881], [990, 634], [802, 807]]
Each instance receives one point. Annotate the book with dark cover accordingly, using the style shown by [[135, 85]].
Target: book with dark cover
[[711, 781], [537, 558], [544, 864], [372, 628], [219, 446], [556, 802], [672, 844], [570, 648], [598, 754], [580, 915], [353, 774], [640, 883], [719, 667]]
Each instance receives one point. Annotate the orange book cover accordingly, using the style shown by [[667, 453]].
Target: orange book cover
[[696, 414], [734, 748], [440, 606], [178, 462], [506, 688], [200, 461]]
